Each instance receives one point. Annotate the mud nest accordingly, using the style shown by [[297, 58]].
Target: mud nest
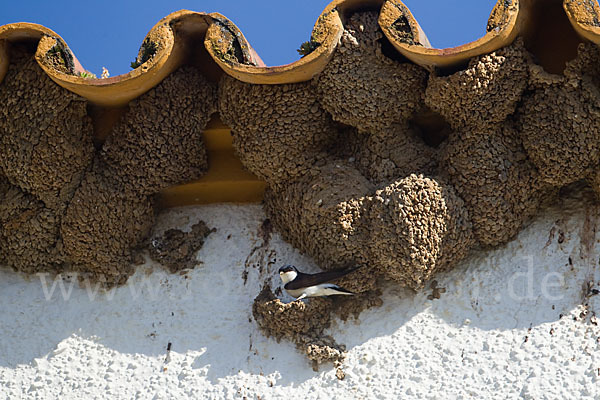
[[376, 96], [304, 323], [45, 133], [64, 207], [419, 227], [559, 119], [324, 214], [484, 93], [29, 232], [103, 222], [279, 131], [158, 143], [45, 148], [362, 87], [301, 323], [500, 186]]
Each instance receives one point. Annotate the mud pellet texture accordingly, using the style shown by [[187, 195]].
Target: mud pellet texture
[[393, 153], [303, 323], [484, 93], [176, 250], [158, 142], [102, 224], [360, 281], [586, 66], [324, 215], [279, 131], [560, 121], [282, 320], [362, 87], [500, 186], [45, 133], [29, 233], [347, 307], [419, 226]]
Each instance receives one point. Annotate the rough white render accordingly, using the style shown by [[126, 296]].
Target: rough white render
[[491, 334]]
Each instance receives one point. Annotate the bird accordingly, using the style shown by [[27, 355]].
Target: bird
[[301, 285]]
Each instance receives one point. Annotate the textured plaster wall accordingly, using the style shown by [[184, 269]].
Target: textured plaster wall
[[485, 334]]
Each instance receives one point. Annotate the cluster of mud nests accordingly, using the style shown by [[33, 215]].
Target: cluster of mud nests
[[367, 183], [68, 206], [355, 176]]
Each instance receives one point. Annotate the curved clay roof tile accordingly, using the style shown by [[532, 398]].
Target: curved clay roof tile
[[168, 45], [584, 16], [405, 33]]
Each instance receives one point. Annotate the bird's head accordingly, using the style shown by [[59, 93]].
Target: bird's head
[[288, 273]]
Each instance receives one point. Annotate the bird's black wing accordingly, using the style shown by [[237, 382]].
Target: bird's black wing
[[305, 280]]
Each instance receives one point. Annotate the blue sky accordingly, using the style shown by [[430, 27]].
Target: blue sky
[[108, 33]]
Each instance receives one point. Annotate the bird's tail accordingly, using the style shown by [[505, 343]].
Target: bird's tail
[[335, 289]]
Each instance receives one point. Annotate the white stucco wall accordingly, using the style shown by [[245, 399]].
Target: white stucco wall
[[497, 331]]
